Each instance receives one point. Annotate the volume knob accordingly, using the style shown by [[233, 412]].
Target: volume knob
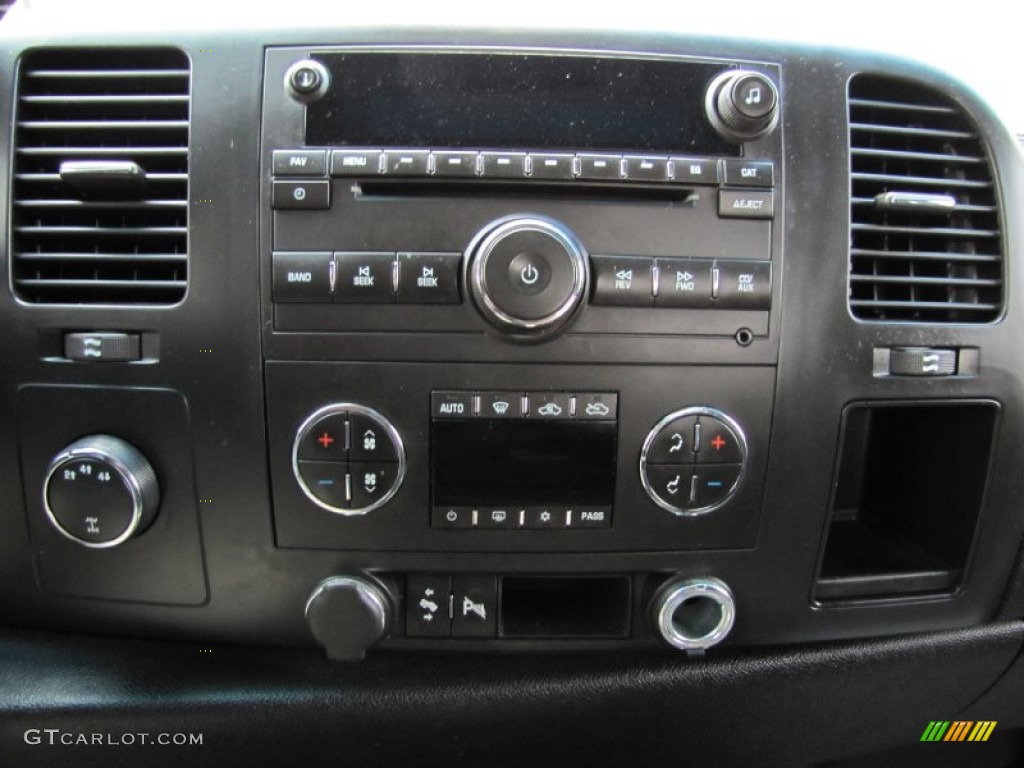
[[100, 491], [742, 105]]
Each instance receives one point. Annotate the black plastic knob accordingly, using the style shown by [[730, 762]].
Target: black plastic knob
[[100, 491], [527, 275], [348, 615], [742, 105], [307, 80]]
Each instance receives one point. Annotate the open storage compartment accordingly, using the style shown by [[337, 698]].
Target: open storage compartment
[[908, 492]]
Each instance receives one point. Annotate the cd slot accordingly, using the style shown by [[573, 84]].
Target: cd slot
[[404, 189]]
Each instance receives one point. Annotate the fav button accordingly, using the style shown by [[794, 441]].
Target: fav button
[[300, 162]]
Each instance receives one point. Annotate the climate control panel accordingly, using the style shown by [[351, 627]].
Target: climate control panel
[[348, 459]]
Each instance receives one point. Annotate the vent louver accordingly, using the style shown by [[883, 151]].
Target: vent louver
[[925, 242], [100, 187]]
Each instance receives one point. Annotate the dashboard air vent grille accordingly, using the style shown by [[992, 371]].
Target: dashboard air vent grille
[[925, 242], [100, 184]]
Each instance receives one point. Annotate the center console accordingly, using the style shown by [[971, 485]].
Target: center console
[[521, 302]]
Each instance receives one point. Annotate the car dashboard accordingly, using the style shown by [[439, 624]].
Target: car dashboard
[[413, 389]]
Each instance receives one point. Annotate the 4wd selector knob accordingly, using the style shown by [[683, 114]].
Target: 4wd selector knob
[[527, 275], [742, 105], [100, 491]]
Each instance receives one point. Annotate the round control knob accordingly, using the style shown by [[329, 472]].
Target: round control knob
[[527, 275], [693, 460], [742, 105], [100, 491], [348, 459], [307, 80], [348, 615], [693, 614]]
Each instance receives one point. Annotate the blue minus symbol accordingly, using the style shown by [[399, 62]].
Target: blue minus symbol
[[325, 482], [714, 483]]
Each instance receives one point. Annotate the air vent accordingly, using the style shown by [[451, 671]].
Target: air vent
[[925, 241], [100, 191]]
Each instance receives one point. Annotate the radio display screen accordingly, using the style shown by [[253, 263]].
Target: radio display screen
[[523, 462], [510, 101]]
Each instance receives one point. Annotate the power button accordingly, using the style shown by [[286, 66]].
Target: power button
[[529, 273]]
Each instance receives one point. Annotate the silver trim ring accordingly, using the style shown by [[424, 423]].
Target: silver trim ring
[[695, 410], [95, 449], [487, 239], [362, 410], [672, 595]]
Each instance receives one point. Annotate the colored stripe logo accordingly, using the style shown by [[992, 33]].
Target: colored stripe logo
[[959, 730]]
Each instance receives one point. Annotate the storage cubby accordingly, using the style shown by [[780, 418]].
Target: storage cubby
[[908, 492]]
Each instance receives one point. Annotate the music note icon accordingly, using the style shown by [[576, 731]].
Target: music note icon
[[753, 96]]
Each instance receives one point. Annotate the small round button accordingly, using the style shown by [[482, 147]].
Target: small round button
[[753, 95], [307, 80], [527, 275]]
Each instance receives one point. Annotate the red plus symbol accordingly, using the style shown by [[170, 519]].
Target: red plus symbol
[[325, 439], [718, 442]]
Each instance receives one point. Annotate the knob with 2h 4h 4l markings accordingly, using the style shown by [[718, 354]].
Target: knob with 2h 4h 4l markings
[[100, 491]]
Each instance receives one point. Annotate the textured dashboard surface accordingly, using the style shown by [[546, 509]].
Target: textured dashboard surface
[[293, 707]]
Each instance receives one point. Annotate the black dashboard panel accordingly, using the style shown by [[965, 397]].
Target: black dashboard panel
[[378, 319]]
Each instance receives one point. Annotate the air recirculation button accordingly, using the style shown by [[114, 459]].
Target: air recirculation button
[[692, 460], [348, 459]]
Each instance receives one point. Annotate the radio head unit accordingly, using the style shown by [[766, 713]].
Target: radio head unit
[[644, 187]]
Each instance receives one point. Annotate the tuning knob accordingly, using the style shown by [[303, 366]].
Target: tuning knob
[[348, 615], [742, 105], [527, 275], [100, 491]]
